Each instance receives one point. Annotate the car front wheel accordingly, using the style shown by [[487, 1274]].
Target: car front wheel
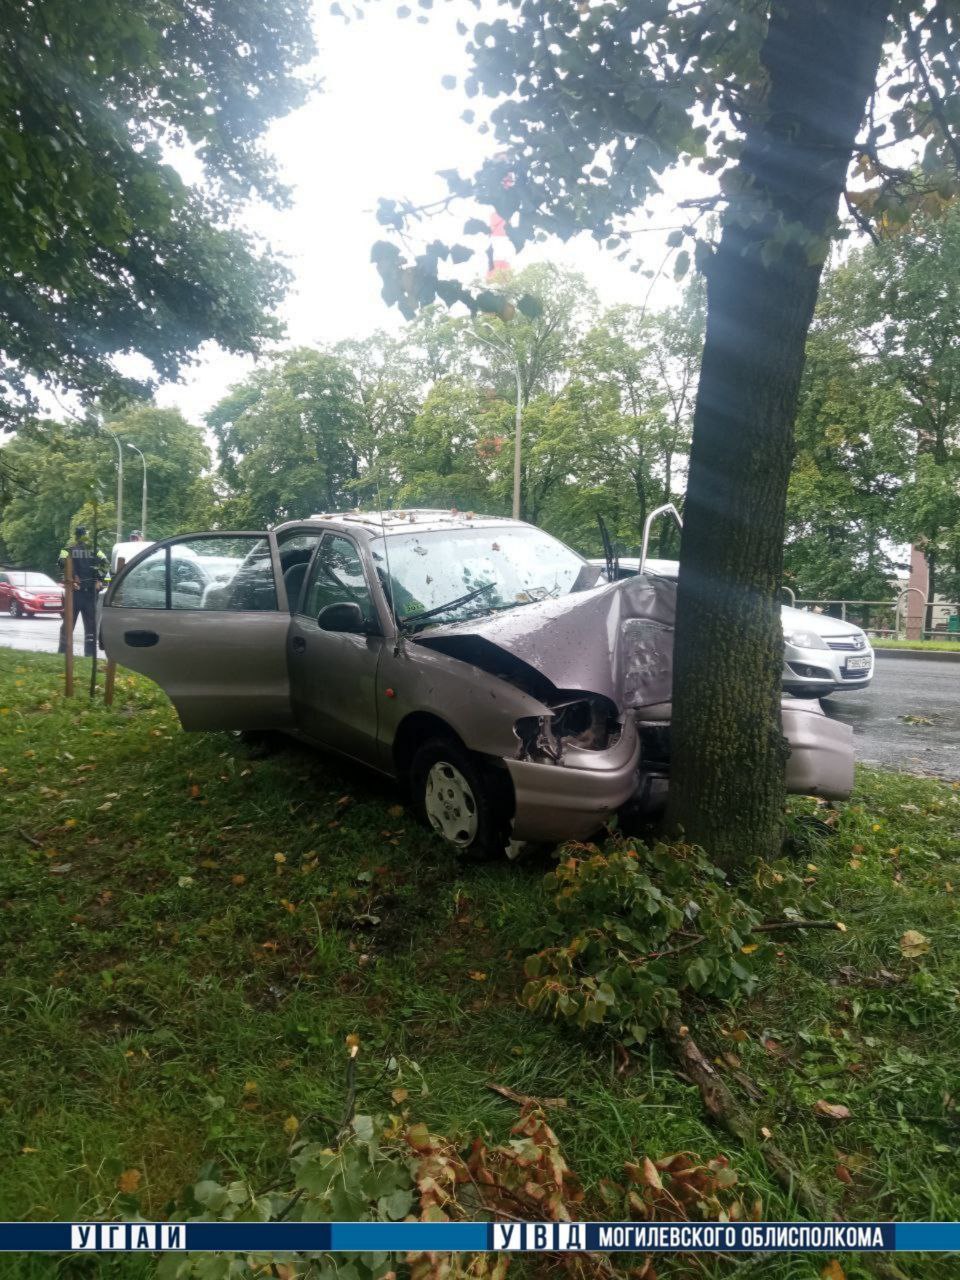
[[15, 611], [459, 800]]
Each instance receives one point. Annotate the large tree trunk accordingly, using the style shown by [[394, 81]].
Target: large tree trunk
[[728, 753]]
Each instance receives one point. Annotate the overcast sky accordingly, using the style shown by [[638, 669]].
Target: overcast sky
[[382, 126]]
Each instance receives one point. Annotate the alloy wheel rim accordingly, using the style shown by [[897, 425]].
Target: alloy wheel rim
[[450, 804]]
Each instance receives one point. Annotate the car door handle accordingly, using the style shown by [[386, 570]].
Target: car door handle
[[298, 644], [140, 639]]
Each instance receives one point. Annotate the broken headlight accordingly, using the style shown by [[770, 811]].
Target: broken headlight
[[589, 724]]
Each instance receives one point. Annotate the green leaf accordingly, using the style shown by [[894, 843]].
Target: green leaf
[[211, 1195], [396, 1205], [530, 306], [698, 972]]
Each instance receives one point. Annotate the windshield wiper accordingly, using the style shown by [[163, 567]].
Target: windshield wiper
[[451, 604]]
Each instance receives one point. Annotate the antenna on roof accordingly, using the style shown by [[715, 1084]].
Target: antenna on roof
[[386, 556]]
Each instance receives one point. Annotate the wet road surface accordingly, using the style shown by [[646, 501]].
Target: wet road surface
[[901, 687], [42, 635]]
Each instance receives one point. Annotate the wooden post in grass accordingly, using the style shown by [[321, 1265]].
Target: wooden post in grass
[[68, 625], [111, 672]]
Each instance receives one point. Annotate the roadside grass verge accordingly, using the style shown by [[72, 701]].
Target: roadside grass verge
[[188, 934], [937, 646]]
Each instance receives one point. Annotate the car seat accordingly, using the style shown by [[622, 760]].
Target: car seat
[[293, 582]]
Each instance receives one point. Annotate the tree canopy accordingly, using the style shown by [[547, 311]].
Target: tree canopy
[[105, 249], [60, 474]]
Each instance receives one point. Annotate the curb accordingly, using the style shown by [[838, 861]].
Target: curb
[[933, 655]]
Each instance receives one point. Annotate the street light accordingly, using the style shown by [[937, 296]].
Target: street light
[[506, 351], [143, 492], [119, 484]]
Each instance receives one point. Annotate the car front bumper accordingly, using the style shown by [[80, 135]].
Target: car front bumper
[[821, 752], [40, 610], [571, 800], [813, 673]]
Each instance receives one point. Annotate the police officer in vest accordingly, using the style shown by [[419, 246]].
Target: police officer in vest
[[89, 570]]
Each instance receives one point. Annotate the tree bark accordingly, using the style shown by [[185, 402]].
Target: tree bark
[[728, 752], [931, 589]]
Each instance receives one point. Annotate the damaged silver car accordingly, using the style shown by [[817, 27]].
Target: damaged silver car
[[478, 660]]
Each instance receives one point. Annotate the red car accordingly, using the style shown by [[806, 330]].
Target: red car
[[24, 594]]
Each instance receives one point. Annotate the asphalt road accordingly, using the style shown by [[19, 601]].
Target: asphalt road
[[42, 635], [904, 687], [901, 687]]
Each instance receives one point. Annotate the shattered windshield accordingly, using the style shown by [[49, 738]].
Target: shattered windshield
[[450, 574]]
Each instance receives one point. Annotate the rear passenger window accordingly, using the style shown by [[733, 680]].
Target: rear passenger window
[[230, 573]]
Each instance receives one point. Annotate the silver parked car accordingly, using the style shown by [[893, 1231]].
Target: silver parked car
[[478, 660]]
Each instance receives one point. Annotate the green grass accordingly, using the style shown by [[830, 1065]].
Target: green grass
[[188, 933], [941, 646]]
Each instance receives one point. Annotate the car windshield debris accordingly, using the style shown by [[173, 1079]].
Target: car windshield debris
[[461, 573]]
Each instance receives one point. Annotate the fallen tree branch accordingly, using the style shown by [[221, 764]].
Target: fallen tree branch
[[524, 1099], [730, 1115], [727, 1112], [771, 926], [774, 926]]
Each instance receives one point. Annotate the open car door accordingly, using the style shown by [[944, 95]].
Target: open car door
[[205, 617]]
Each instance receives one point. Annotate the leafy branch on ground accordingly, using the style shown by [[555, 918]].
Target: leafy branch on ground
[[634, 929], [386, 1168]]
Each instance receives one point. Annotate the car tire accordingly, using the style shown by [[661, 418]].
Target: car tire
[[15, 610], [460, 800]]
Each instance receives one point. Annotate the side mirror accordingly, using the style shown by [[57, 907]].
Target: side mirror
[[344, 616]]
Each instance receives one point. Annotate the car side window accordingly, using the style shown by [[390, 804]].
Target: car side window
[[232, 573], [337, 577]]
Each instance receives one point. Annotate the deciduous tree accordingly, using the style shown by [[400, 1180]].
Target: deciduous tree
[[105, 248], [594, 102]]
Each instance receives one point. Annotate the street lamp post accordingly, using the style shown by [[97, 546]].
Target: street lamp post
[[518, 419], [143, 492], [119, 484]]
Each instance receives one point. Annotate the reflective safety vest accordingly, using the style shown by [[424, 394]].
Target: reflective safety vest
[[89, 566]]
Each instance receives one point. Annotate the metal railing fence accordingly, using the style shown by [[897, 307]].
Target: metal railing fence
[[889, 617]]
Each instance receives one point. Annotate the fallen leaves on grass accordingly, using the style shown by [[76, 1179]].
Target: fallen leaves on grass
[[914, 944], [129, 1181], [831, 1110]]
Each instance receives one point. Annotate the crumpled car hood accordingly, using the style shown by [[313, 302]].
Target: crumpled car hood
[[615, 641]]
